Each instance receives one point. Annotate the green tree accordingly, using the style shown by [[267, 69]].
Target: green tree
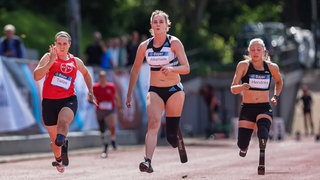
[[206, 28]]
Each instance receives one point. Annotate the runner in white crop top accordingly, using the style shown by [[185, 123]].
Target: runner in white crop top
[[167, 58], [162, 56]]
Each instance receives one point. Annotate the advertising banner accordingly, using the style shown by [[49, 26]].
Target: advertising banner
[[14, 110]]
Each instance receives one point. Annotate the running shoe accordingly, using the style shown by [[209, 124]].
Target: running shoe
[[146, 166], [104, 153], [114, 145], [64, 153], [243, 152], [59, 166]]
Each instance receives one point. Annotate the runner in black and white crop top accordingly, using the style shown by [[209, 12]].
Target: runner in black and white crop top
[[162, 56], [257, 79]]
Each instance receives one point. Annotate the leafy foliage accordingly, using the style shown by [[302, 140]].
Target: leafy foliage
[[35, 30], [206, 27]]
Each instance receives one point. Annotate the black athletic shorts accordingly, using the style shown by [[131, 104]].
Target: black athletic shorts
[[250, 111], [306, 110], [166, 92], [52, 107], [102, 114]]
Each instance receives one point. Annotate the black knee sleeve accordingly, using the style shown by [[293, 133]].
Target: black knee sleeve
[[244, 136], [263, 125], [59, 139], [172, 125], [102, 126]]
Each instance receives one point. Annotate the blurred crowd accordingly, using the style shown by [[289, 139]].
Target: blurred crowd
[[112, 53], [106, 53]]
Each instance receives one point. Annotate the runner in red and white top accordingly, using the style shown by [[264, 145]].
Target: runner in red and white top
[[59, 81], [107, 101], [59, 104]]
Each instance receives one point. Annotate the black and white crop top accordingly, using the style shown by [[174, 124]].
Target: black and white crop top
[[162, 56], [258, 80]]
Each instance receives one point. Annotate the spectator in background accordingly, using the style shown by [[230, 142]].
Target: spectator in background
[[132, 47], [123, 52], [106, 60], [94, 51], [213, 103], [307, 113], [10, 44], [115, 50], [143, 37]]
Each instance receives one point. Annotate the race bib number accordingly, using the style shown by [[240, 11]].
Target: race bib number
[[105, 105], [61, 80], [158, 58], [259, 81]]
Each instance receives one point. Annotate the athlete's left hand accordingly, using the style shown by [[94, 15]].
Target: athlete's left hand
[[274, 101], [166, 70]]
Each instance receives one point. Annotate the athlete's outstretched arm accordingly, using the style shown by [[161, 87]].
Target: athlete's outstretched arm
[[135, 71], [87, 78], [45, 64]]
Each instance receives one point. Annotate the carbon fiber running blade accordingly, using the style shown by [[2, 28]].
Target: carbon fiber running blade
[[182, 148]]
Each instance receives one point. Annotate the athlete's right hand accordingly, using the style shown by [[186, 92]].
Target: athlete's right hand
[[53, 52], [245, 86], [128, 101]]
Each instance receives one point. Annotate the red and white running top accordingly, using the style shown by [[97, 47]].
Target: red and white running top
[[105, 95], [59, 81]]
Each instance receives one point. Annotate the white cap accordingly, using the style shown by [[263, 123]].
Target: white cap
[[9, 27]]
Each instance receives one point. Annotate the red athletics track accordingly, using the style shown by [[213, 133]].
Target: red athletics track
[[208, 159]]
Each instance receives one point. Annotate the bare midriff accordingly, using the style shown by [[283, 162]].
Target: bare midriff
[[254, 96], [158, 79]]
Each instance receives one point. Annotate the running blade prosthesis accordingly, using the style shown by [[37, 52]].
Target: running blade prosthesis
[[64, 153], [181, 148], [261, 167]]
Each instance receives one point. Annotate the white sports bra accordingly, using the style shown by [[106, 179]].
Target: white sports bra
[[162, 56]]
